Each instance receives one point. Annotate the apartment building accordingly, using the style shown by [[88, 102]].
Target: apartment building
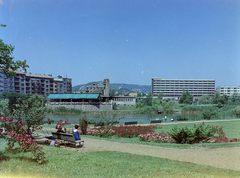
[[173, 88], [94, 88], [35, 83], [6, 84], [62, 85], [228, 90]]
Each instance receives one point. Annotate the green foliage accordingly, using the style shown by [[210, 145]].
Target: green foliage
[[49, 121], [13, 98], [182, 118], [216, 98], [190, 136], [186, 98], [204, 99], [147, 109], [4, 110], [220, 100], [139, 95], [148, 100], [7, 64], [237, 111], [160, 97], [83, 124], [105, 119], [114, 106], [168, 106], [31, 112], [62, 109], [15, 133], [209, 114], [190, 109], [148, 105], [112, 92]]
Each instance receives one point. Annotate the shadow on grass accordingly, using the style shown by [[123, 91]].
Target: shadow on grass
[[3, 157], [14, 154]]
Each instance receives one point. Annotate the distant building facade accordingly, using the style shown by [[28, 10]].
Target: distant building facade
[[228, 90], [173, 88], [94, 89], [124, 100], [34, 84], [133, 94], [62, 85]]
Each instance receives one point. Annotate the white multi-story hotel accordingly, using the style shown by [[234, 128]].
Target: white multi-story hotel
[[227, 90], [173, 88]]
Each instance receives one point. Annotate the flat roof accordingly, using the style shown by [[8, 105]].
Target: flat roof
[[73, 96], [159, 78]]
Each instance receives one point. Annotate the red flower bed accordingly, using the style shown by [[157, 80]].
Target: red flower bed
[[133, 131], [122, 131]]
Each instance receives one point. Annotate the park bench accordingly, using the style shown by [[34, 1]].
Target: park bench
[[155, 121], [131, 123], [70, 138], [56, 135], [99, 124]]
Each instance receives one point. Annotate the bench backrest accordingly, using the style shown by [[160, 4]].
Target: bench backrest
[[56, 135], [156, 121], [130, 123], [67, 137]]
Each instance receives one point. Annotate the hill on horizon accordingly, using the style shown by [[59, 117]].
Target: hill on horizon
[[118, 87]]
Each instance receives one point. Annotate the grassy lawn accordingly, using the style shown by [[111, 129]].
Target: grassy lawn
[[126, 108], [67, 163]]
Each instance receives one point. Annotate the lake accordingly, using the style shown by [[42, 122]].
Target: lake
[[74, 119]]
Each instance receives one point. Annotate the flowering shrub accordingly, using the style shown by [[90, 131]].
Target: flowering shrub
[[218, 136], [133, 131], [159, 138], [218, 130], [101, 132], [15, 132], [121, 131]]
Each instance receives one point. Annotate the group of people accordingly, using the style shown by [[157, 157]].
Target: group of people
[[75, 133]]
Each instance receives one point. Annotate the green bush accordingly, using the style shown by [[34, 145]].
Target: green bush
[[190, 109], [147, 109], [181, 118], [190, 136], [49, 121], [105, 119], [209, 114]]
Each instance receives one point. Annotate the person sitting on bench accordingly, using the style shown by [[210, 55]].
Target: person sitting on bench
[[76, 133], [61, 131]]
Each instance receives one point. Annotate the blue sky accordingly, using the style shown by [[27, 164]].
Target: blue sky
[[127, 41]]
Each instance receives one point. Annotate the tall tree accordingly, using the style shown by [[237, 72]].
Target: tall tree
[[148, 100], [7, 64], [216, 98], [204, 99], [186, 97], [168, 106], [160, 97], [112, 92]]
